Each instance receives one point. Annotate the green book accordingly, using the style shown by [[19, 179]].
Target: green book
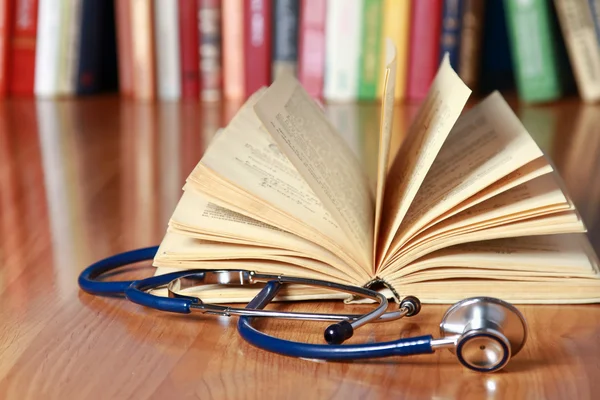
[[533, 36], [370, 47]]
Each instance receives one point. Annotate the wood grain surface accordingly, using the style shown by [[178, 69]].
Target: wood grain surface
[[84, 179]]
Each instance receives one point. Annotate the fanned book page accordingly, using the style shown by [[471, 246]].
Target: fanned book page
[[468, 205]]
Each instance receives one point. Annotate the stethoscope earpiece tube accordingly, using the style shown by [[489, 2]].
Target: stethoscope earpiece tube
[[402, 347], [136, 293], [87, 279]]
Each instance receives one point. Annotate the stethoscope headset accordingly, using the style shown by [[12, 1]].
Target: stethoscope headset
[[483, 332]]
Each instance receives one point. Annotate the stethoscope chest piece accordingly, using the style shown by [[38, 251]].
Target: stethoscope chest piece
[[487, 332]]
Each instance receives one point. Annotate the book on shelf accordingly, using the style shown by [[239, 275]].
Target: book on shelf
[[469, 205], [577, 21]]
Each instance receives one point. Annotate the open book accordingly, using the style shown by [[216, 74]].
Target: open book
[[468, 206]]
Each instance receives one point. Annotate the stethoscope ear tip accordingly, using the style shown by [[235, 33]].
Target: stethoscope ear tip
[[412, 305], [338, 333]]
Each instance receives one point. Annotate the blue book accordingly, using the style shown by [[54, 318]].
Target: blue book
[[90, 46], [451, 28], [286, 14], [496, 58]]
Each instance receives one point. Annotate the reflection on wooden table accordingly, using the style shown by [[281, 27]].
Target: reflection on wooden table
[[83, 179]]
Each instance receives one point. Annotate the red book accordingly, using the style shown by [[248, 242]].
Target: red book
[[5, 18], [424, 46], [311, 46], [189, 49], [257, 45], [22, 48]]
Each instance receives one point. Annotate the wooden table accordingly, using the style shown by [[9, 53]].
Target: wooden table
[[83, 179]]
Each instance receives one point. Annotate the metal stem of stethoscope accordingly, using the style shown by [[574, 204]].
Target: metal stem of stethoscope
[[226, 311], [336, 333]]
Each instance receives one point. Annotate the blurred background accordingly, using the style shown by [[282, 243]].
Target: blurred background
[[211, 50]]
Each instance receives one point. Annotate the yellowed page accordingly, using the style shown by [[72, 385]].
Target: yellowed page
[[184, 252], [244, 166], [323, 158], [532, 170], [555, 223], [487, 144], [532, 291], [385, 134], [194, 213], [225, 195], [539, 197], [569, 255], [546, 269], [438, 113]]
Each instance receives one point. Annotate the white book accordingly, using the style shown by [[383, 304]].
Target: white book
[[166, 18], [47, 48], [67, 83], [342, 44], [68, 47]]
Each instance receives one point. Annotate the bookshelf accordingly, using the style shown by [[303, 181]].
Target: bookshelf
[[206, 50]]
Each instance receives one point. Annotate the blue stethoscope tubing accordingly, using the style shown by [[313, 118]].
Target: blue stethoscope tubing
[[401, 347], [87, 279], [134, 290]]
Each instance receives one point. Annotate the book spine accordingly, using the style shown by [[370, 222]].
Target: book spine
[[233, 49], [424, 47], [451, 31], [257, 45], [189, 50], [583, 47], [108, 76], [370, 49], [73, 49], [124, 48], [311, 46], [342, 57], [595, 7], [69, 46], [470, 42], [209, 12], [396, 25], [142, 35], [285, 44], [47, 48], [168, 70], [5, 28], [88, 70], [21, 55], [532, 46], [496, 60]]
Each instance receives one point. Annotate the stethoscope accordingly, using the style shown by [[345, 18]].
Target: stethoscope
[[483, 332]]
